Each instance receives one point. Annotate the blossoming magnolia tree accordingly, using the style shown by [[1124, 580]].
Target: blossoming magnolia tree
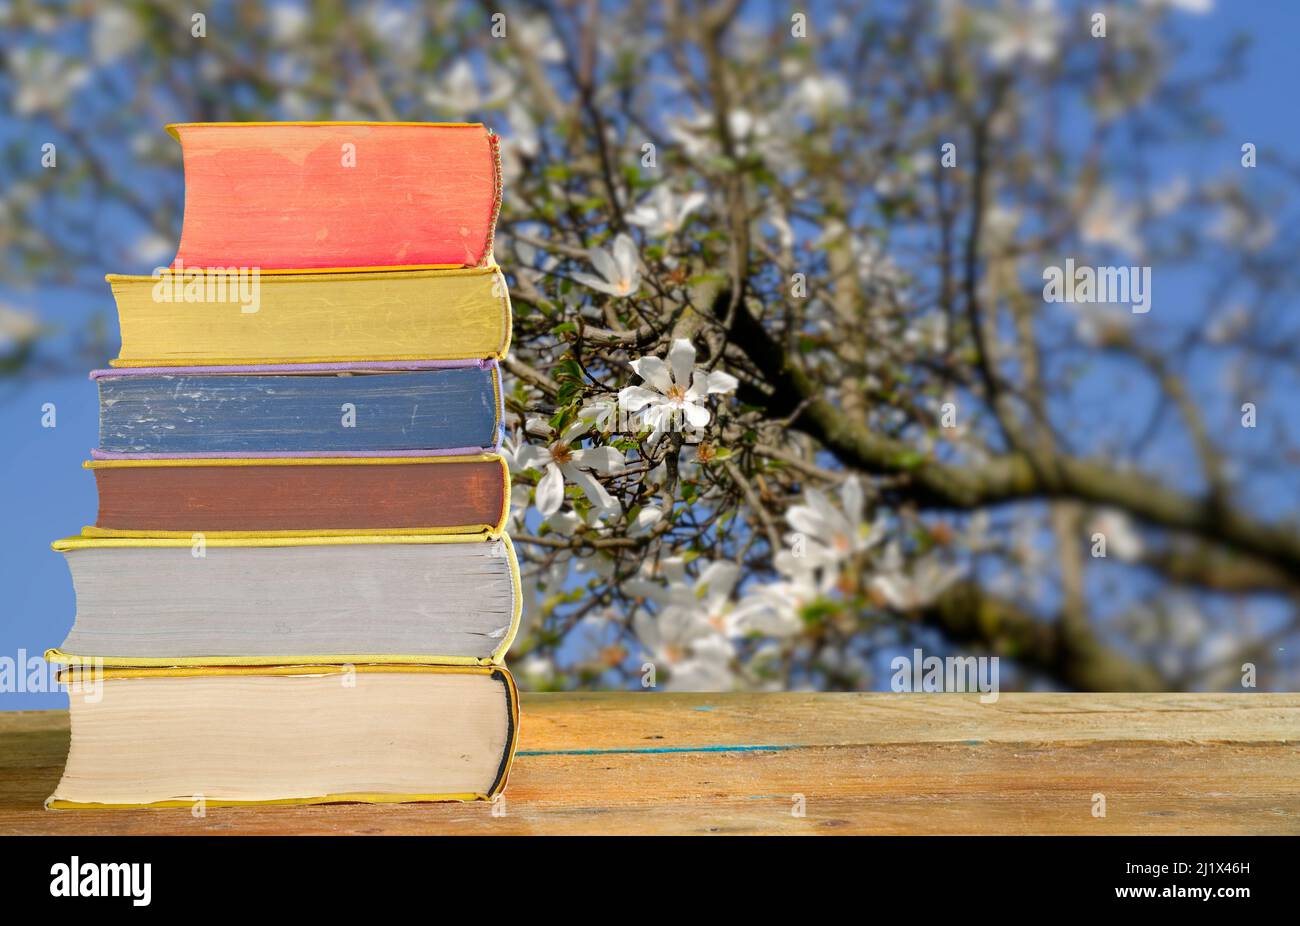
[[785, 396]]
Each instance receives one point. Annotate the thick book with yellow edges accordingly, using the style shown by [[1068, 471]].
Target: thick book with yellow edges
[[180, 317], [300, 496], [300, 734], [256, 600]]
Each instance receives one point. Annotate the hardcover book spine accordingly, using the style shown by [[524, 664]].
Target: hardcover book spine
[[337, 195], [264, 600], [188, 412], [182, 317], [387, 495], [276, 736]]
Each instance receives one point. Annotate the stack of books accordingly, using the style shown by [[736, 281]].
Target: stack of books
[[298, 588]]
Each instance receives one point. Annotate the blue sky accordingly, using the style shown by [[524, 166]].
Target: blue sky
[[45, 493]]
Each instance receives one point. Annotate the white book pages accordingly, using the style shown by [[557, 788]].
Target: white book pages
[[266, 737], [414, 599]]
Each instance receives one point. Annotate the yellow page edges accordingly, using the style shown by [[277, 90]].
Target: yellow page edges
[[493, 531], [59, 657], [453, 322], [496, 659], [512, 698], [67, 544], [173, 128], [296, 274], [290, 461]]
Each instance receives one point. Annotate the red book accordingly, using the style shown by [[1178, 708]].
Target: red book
[[313, 195], [406, 494]]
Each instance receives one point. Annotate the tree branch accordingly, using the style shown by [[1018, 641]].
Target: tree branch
[[1010, 477], [1071, 655]]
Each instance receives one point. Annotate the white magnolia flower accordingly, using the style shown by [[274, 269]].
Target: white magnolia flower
[[663, 213], [999, 225], [1018, 31], [152, 247], [928, 580], [458, 93], [678, 390], [645, 521], [46, 79], [696, 656], [602, 412], [566, 522], [830, 535], [693, 134], [289, 22], [114, 32], [818, 94], [520, 495], [656, 575], [1107, 221], [774, 609], [536, 669], [1240, 225], [1187, 6], [750, 135], [1122, 538], [559, 461], [619, 269], [17, 328], [707, 598], [535, 34]]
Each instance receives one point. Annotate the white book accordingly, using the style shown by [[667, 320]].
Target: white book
[[291, 734], [267, 601]]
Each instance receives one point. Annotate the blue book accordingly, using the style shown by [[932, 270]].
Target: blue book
[[325, 409]]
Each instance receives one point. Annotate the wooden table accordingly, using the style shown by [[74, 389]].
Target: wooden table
[[863, 763]]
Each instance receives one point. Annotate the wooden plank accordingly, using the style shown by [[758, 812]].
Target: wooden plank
[[863, 763], [619, 720]]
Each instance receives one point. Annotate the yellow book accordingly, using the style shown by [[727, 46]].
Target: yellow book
[[257, 600], [292, 734], [180, 317]]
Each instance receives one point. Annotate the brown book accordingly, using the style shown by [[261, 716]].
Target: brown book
[[344, 494]]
